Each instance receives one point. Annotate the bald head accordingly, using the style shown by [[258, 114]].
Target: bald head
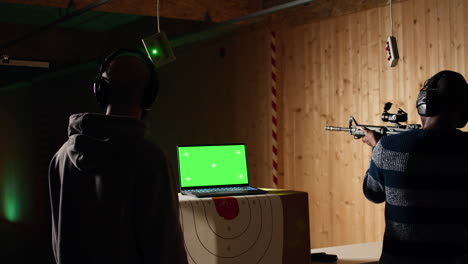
[[128, 77]]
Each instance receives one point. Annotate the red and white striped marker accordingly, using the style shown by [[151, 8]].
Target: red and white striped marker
[[274, 119]]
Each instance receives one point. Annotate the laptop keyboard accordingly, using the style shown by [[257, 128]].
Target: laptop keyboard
[[222, 189]]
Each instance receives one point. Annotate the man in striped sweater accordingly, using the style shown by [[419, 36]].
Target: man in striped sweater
[[422, 175]]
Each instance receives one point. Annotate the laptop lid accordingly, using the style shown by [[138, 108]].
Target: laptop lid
[[204, 166]]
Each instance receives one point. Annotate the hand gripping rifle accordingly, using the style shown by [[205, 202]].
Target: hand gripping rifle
[[400, 116]]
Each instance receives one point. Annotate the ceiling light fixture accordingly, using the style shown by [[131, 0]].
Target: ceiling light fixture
[[157, 46], [7, 61]]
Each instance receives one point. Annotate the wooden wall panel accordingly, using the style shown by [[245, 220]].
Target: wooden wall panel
[[458, 31], [337, 67], [219, 92], [328, 70]]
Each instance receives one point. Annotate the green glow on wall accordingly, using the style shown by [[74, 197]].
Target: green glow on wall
[[11, 207], [11, 199], [17, 200]]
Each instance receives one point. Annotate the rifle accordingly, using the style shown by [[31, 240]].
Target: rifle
[[400, 116]]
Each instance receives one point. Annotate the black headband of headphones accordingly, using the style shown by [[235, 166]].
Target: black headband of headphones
[[101, 84]]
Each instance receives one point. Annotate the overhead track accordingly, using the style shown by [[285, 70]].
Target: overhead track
[[184, 40], [226, 26], [54, 23]]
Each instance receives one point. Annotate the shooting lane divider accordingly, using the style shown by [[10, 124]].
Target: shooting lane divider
[[274, 109]]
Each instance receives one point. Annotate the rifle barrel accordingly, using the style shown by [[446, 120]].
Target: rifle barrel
[[332, 128]]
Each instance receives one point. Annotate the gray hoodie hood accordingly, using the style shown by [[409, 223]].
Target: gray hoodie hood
[[112, 198], [92, 136]]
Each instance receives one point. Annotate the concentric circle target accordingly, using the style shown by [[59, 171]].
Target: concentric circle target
[[254, 236]]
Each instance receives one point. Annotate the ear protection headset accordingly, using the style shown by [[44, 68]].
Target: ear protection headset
[[429, 100], [102, 85], [436, 94]]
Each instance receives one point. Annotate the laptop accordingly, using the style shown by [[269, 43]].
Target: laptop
[[214, 170]]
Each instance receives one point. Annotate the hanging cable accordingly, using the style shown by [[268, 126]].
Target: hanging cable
[[391, 19], [157, 15]]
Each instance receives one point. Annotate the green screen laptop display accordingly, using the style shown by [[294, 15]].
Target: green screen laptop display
[[212, 165]]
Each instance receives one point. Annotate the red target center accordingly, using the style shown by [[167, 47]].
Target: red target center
[[227, 207]]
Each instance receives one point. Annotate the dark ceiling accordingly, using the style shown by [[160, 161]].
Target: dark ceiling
[[104, 28], [87, 37], [30, 16], [41, 15]]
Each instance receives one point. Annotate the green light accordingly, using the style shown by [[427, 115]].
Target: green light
[[154, 51], [11, 197], [11, 207], [15, 193]]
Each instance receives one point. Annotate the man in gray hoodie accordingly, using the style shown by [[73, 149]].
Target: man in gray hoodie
[[112, 198]]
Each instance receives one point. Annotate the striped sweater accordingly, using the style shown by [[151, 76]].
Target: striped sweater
[[422, 175]]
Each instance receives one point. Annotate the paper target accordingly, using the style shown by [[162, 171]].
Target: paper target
[[228, 230]]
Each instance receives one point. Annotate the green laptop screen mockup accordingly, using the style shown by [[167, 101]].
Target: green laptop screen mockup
[[212, 165]]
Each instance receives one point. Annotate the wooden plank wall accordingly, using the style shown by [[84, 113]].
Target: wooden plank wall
[[335, 68], [328, 70], [218, 92]]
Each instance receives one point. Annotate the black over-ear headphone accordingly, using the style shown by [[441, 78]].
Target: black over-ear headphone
[[101, 83], [429, 102]]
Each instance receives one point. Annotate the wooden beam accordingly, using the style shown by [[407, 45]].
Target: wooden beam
[[214, 10], [323, 9]]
